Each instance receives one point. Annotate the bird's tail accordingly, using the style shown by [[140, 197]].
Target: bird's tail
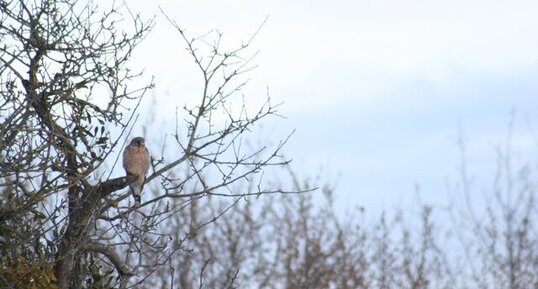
[[136, 191]]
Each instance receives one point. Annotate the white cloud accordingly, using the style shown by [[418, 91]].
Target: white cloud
[[397, 37]]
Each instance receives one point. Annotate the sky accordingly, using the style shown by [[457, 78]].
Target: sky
[[378, 92]]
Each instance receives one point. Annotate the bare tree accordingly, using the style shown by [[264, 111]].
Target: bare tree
[[497, 224], [68, 99], [303, 242]]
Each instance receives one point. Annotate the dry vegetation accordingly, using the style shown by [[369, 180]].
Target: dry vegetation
[[296, 242]]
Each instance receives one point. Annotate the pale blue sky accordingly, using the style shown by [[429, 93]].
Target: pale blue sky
[[374, 89]]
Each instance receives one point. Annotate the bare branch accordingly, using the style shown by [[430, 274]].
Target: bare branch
[[122, 268]]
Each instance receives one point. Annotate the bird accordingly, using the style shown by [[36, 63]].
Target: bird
[[136, 164]]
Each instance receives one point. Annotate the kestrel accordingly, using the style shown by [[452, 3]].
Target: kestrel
[[136, 163]]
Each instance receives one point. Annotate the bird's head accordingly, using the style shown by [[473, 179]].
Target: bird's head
[[137, 141]]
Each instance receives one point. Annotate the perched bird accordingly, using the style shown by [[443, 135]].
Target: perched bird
[[136, 164]]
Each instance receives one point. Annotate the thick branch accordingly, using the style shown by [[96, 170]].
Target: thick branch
[[77, 226], [122, 268], [113, 185]]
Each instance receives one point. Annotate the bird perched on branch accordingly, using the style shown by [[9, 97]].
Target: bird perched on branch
[[136, 165]]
